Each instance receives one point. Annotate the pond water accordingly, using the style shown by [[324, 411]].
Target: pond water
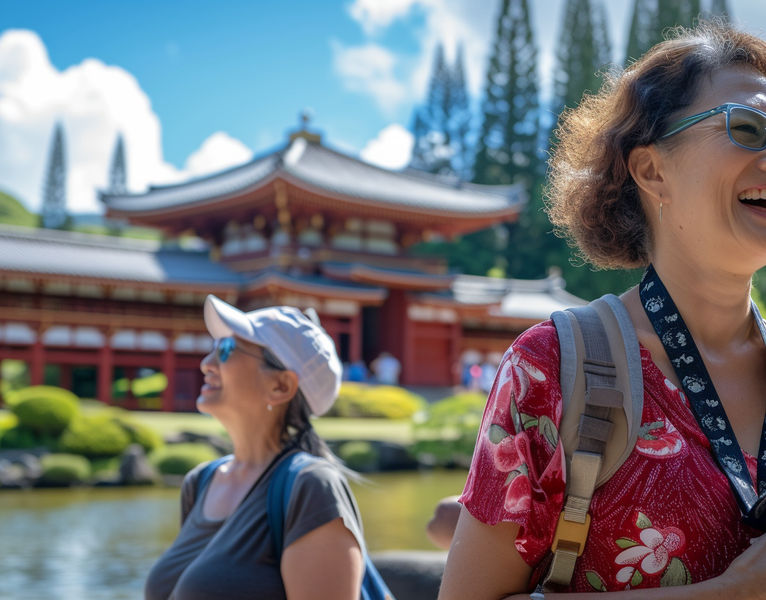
[[99, 543]]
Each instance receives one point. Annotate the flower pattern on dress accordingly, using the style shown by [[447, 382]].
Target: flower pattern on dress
[[652, 555], [518, 475], [659, 439]]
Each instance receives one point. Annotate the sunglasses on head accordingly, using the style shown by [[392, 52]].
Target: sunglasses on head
[[225, 346], [745, 125]]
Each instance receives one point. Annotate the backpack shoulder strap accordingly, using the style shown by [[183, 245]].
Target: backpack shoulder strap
[[203, 479], [280, 488], [278, 499], [602, 396]]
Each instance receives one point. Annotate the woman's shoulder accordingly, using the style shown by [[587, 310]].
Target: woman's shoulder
[[537, 349]]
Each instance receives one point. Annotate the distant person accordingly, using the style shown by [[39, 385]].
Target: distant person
[[269, 371], [441, 527], [357, 372], [664, 169], [386, 369], [487, 376]]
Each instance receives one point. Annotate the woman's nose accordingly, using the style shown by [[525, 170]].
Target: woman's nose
[[207, 361]]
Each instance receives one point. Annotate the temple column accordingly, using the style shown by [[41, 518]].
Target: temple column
[[65, 377], [169, 368], [37, 364], [355, 337], [105, 369], [456, 334]]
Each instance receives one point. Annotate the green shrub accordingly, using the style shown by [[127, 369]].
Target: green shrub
[[7, 420], [139, 433], [35, 391], [94, 436], [19, 437], [446, 431], [45, 409], [107, 467], [179, 459], [359, 455], [371, 401], [64, 469]]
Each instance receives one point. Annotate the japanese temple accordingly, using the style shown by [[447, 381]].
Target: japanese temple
[[304, 225]]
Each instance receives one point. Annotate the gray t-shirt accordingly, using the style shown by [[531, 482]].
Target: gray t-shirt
[[235, 558]]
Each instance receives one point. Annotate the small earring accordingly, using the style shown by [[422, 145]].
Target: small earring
[[269, 407], [660, 212]]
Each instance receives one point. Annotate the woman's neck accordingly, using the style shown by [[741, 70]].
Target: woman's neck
[[253, 445], [715, 304]]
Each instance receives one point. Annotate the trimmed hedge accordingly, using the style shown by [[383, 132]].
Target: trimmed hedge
[[95, 436], [144, 435], [359, 455], [44, 409], [446, 432], [179, 459], [21, 437], [376, 401], [64, 469]]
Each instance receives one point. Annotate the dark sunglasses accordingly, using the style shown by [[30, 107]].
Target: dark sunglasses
[[225, 346], [745, 125]]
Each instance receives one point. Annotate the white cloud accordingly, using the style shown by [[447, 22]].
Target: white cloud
[[391, 149], [375, 14], [450, 22], [370, 69], [94, 102], [218, 152]]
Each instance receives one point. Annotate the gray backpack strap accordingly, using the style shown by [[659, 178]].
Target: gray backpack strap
[[602, 395]]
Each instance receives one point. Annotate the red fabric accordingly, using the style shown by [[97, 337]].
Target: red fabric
[[667, 516]]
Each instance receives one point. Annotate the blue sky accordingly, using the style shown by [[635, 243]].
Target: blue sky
[[196, 86]]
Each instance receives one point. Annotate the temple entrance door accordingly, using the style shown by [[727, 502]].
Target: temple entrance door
[[371, 337]]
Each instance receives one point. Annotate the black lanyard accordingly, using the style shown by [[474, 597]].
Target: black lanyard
[[706, 405]]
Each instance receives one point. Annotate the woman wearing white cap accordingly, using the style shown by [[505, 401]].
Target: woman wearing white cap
[[269, 370]]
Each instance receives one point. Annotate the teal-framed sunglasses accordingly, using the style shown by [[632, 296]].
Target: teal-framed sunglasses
[[225, 346], [745, 125]]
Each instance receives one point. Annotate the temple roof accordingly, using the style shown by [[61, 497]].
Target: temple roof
[[321, 170], [519, 298], [388, 277], [63, 253], [316, 284]]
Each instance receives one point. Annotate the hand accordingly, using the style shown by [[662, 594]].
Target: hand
[[746, 576]]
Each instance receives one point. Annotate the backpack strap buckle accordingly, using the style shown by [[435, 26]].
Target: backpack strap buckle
[[571, 535]]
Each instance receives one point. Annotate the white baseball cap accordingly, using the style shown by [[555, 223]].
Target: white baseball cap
[[300, 345]]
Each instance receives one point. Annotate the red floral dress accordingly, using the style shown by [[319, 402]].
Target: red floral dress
[[666, 517]]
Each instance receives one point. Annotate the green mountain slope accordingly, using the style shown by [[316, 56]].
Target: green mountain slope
[[13, 212]]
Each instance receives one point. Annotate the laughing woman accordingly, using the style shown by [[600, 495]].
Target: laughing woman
[[664, 168], [270, 369]]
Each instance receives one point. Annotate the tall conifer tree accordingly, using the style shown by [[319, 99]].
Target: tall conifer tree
[[441, 126], [507, 148], [117, 171], [53, 214], [583, 50], [719, 8], [642, 29]]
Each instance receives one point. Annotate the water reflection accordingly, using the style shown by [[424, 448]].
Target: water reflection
[[100, 543]]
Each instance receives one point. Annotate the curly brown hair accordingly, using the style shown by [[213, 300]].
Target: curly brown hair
[[591, 197]]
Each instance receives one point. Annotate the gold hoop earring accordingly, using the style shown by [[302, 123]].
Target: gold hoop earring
[[660, 212]]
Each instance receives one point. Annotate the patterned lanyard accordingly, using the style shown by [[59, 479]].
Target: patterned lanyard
[[704, 400]]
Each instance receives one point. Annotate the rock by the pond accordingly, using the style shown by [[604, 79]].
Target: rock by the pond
[[135, 468], [411, 574]]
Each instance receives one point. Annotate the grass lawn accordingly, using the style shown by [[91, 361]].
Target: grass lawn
[[399, 431]]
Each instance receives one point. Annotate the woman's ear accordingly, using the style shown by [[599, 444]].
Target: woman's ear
[[646, 167], [284, 386]]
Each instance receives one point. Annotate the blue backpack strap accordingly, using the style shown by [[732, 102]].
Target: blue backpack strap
[[280, 488], [207, 473]]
